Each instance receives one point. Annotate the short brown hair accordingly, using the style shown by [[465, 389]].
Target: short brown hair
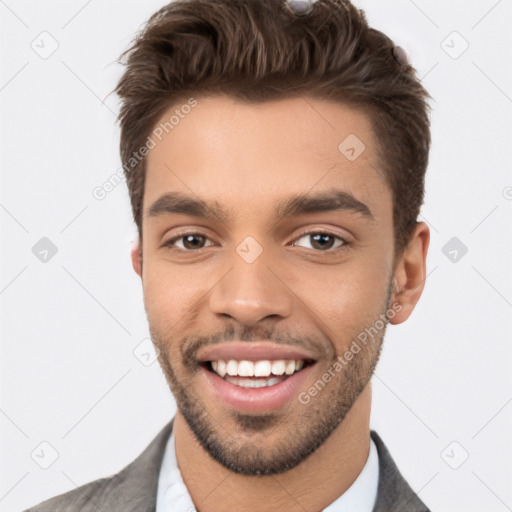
[[259, 50]]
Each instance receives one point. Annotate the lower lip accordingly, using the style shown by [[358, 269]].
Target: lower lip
[[256, 399]]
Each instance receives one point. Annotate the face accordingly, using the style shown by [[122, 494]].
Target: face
[[264, 241]]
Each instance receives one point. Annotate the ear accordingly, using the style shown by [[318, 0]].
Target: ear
[[136, 255], [410, 273]]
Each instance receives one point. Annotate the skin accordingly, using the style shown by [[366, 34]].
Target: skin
[[247, 158]]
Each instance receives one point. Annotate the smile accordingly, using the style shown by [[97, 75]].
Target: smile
[[256, 386]]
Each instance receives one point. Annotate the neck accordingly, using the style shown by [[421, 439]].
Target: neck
[[312, 485]]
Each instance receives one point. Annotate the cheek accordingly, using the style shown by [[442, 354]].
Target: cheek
[[349, 297], [168, 293]]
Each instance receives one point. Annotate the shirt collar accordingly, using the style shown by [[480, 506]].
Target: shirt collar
[[173, 495]]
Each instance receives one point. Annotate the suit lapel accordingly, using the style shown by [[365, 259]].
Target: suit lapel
[[394, 493], [134, 489]]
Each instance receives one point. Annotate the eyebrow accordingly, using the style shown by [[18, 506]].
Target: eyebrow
[[302, 204]]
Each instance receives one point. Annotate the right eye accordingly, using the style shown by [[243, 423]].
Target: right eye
[[191, 241]]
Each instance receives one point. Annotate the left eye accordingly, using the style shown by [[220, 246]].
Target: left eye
[[323, 241]]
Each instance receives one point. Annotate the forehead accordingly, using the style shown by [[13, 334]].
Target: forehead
[[245, 156]]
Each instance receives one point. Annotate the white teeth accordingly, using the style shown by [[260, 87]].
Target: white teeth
[[246, 368], [290, 367], [264, 368], [232, 367], [254, 383], [221, 367], [278, 367]]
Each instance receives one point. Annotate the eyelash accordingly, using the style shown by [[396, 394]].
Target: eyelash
[[344, 246]]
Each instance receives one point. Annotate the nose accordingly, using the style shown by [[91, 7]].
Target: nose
[[251, 292]]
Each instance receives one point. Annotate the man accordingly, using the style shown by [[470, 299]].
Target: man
[[275, 156]]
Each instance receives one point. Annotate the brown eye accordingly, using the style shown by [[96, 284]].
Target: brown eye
[[323, 241], [190, 241]]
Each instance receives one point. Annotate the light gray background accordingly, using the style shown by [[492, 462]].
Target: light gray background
[[70, 325]]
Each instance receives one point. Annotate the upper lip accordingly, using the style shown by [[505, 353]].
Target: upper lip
[[251, 351]]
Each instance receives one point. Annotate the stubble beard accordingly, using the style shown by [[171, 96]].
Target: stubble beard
[[297, 434]]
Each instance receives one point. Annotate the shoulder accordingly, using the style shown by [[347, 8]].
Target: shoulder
[[133, 488], [82, 498], [394, 493]]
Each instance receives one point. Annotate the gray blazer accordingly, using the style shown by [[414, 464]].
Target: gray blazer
[[134, 488]]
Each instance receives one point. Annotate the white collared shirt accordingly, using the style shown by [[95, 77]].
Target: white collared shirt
[[173, 495]]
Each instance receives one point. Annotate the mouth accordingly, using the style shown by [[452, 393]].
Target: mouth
[[256, 374], [255, 386]]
